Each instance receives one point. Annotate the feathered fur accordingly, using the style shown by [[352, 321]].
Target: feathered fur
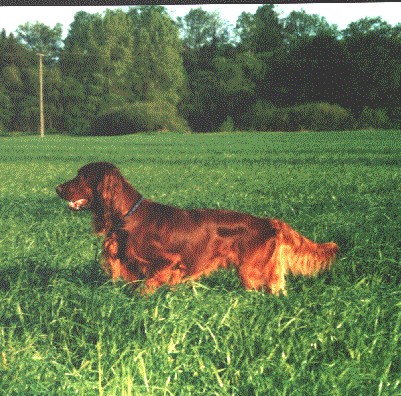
[[160, 244]]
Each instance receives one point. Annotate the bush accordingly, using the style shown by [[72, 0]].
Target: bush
[[227, 125], [311, 116], [138, 117], [320, 117], [265, 117], [374, 118]]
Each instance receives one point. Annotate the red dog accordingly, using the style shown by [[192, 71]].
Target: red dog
[[145, 240]]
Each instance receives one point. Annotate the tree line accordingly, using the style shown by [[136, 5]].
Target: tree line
[[140, 70]]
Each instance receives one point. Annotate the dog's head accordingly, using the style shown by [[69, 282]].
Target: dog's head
[[91, 185]]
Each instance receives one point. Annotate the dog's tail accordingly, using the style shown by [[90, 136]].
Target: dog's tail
[[299, 255]]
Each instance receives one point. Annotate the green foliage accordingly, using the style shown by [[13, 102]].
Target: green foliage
[[318, 69], [157, 71], [223, 88], [5, 110], [299, 24], [374, 118], [66, 329], [138, 117], [366, 26], [75, 118], [266, 33], [78, 35], [313, 116], [243, 30], [262, 116], [375, 63], [111, 42], [205, 68], [200, 28], [41, 38], [320, 117], [117, 61], [227, 125]]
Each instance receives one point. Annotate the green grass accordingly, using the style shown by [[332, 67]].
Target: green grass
[[65, 329]]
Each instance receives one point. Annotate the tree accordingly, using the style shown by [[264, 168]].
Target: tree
[[367, 26], [16, 53], [266, 33], [157, 71], [39, 37], [78, 59], [82, 66], [200, 27], [244, 29], [112, 44], [6, 110], [374, 51], [318, 70], [222, 91], [77, 106], [94, 66], [78, 34], [126, 57], [299, 24], [236, 84], [119, 58]]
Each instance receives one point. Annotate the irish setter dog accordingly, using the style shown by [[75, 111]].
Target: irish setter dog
[[161, 244]]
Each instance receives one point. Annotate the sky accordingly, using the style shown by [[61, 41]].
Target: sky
[[340, 14]]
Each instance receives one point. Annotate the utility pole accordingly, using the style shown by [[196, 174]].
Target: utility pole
[[41, 107]]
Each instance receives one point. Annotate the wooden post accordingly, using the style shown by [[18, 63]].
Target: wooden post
[[41, 106]]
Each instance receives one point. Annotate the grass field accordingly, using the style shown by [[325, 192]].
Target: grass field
[[65, 329]]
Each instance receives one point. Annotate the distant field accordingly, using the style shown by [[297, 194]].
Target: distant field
[[65, 329]]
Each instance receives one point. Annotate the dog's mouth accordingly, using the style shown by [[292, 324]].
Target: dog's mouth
[[78, 204]]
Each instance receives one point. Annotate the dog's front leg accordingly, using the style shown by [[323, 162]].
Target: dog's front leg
[[113, 264]]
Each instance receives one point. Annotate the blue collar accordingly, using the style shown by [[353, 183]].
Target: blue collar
[[134, 208]]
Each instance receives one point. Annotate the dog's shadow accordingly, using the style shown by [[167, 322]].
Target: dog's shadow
[[32, 273]]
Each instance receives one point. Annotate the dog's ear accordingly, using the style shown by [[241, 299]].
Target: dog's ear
[[111, 189], [108, 191]]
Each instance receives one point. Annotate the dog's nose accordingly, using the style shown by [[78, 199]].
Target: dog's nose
[[59, 189]]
